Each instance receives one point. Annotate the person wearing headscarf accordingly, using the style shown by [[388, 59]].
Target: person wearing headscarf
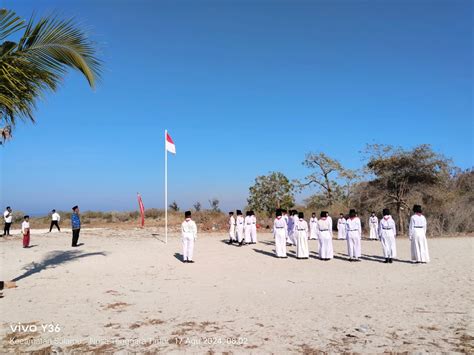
[[387, 234], [189, 235], [279, 233], [341, 227], [417, 235], [313, 227], [353, 236], [373, 226], [301, 236], [326, 251]]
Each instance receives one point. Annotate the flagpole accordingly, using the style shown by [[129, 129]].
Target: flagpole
[[166, 191]]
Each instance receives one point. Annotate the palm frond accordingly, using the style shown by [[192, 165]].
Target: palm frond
[[9, 23], [54, 45]]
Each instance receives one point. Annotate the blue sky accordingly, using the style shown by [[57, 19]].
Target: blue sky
[[244, 88]]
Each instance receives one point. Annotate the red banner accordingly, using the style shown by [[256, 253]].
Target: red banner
[[142, 210]]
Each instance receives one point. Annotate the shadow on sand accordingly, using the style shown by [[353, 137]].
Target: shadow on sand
[[381, 259], [54, 259]]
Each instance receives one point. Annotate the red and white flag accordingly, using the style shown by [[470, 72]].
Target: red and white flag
[[170, 147], [142, 209]]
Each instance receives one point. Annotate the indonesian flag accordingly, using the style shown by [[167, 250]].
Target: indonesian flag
[[142, 209], [170, 147]]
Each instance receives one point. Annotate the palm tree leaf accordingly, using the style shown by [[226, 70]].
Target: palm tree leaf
[[9, 23]]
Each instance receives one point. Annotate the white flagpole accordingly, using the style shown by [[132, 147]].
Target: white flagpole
[[166, 191]]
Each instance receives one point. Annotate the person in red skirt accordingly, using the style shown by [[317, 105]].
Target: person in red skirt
[[25, 229]]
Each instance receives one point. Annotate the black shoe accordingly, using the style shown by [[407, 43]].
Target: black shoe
[[390, 260], [386, 261], [190, 261]]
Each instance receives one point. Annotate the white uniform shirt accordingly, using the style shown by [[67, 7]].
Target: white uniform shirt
[[254, 220], [231, 221], [324, 225], [387, 225], [341, 223], [8, 216], [189, 228], [240, 222], [55, 216], [417, 225], [353, 226], [279, 224], [373, 220], [24, 226], [248, 221], [312, 223], [301, 225]]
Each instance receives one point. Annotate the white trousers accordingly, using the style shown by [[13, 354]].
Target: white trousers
[[232, 232], [388, 244], [240, 233], [253, 233], [419, 247], [373, 231], [248, 233], [353, 245], [313, 233], [326, 250], [302, 245], [188, 247], [280, 242], [341, 233]]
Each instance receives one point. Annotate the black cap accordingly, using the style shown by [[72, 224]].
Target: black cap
[[231, 213], [278, 212], [8, 207], [341, 214], [322, 214], [75, 208], [301, 215], [187, 214], [417, 209], [53, 211], [386, 212], [239, 213], [313, 214], [352, 213], [25, 217]]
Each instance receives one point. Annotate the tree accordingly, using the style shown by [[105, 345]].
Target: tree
[[332, 180], [197, 206], [270, 192], [38, 62], [214, 203], [174, 206], [397, 173]]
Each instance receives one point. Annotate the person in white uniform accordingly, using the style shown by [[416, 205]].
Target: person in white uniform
[[290, 229], [279, 233], [387, 234], [301, 232], [240, 227], [253, 229], [341, 227], [313, 227], [189, 235], [373, 225], [328, 217], [353, 236], [417, 235], [326, 251], [231, 228], [247, 227]]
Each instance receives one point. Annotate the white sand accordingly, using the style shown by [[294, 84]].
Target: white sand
[[128, 286]]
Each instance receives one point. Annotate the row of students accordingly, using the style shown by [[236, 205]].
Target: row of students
[[242, 230], [322, 229]]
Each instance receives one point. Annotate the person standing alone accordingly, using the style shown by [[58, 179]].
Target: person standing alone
[[8, 217], [417, 235], [75, 225], [373, 224], [55, 218], [189, 235]]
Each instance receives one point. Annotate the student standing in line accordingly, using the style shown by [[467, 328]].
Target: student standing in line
[[353, 236], [189, 235], [387, 234], [417, 235]]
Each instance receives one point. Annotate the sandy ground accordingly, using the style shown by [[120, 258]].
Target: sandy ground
[[127, 290]]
